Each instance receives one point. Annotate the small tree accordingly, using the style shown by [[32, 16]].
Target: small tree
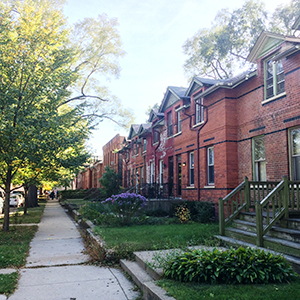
[[110, 181]]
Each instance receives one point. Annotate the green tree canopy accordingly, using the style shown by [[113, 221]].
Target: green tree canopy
[[219, 51], [49, 98]]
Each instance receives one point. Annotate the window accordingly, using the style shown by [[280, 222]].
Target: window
[[169, 124], [210, 166], [274, 78], [151, 172], [156, 136], [144, 145], [142, 175], [161, 172], [178, 122], [199, 111], [259, 159], [191, 168], [295, 152]]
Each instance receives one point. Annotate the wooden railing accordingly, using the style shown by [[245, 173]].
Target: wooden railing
[[271, 202]]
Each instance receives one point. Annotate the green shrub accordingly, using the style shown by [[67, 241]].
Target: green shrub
[[244, 266], [200, 211], [95, 194], [72, 194]]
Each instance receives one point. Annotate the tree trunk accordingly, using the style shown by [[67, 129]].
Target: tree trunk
[[32, 196], [26, 198], [6, 201]]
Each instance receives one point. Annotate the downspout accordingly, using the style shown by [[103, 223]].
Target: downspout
[[198, 129]]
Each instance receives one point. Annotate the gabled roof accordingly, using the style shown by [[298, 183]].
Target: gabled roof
[[268, 41], [154, 114], [296, 25], [172, 95], [133, 131], [197, 83], [144, 128]]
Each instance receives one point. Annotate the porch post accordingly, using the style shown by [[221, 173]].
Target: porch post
[[247, 193], [221, 217], [259, 225], [286, 193]]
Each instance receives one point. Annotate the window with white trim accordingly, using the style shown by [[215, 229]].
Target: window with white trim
[[191, 169], [274, 78], [199, 111], [259, 159], [295, 153], [169, 123], [210, 166], [178, 122], [161, 172], [152, 172]]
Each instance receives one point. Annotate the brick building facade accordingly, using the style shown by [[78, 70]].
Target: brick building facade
[[205, 138]]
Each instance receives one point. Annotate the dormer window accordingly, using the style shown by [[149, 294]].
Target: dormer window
[[169, 124], [274, 78], [199, 111]]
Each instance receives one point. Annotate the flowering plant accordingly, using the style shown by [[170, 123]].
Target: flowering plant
[[125, 205]]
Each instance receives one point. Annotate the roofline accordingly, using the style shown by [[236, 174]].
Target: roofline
[[227, 85]]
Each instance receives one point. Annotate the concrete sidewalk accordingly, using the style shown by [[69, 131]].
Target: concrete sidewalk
[[56, 270]]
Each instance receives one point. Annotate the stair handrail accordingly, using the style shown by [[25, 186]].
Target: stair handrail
[[279, 197], [236, 208]]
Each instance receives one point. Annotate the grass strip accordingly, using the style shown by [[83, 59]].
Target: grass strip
[[194, 291], [8, 283], [14, 246], [34, 215]]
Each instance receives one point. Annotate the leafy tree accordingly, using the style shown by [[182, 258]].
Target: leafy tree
[[110, 181], [43, 123], [219, 51]]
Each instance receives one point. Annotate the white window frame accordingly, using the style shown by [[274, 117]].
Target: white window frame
[[294, 155], [210, 166], [259, 163], [151, 172], [178, 122], [161, 172], [169, 124], [191, 168], [199, 111], [272, 82]]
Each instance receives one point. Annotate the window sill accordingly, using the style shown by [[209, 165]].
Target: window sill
[[198, 124], [209, 186], [190, 187], [178, 133], [274, 98]]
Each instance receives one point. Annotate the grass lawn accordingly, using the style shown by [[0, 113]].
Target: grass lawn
[[193, 291], [158, 237], [34, 215], [14, 245], [8, 283]]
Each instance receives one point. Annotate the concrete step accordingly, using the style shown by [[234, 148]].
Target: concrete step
[[137, 273], [144, 281]]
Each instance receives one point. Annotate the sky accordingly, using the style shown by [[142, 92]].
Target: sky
[[152, 32]]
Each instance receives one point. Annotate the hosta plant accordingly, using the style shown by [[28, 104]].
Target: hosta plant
[[241, 266]]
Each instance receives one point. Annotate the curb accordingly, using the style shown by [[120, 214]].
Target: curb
[[149, 289]]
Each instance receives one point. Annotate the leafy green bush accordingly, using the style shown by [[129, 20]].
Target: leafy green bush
[[244, 266], [72, 194], [200, 211]]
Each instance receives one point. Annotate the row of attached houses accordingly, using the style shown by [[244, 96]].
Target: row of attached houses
[[205, 138]]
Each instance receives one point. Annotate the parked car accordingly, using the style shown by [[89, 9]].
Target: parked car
[[21, 197], [16, 200], [1, 205]]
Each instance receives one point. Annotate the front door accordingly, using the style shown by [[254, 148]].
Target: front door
[[171, 176], [179, 175]]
